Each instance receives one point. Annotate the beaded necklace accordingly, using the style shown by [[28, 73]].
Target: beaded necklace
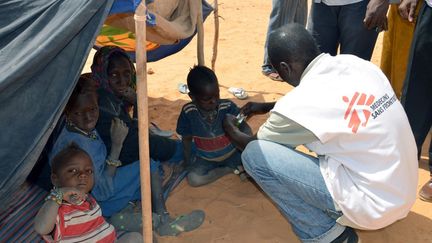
[[73, 128]]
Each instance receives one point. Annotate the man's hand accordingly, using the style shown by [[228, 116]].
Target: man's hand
[[254, 108], [407, 9], [376, 15], [119, 131]]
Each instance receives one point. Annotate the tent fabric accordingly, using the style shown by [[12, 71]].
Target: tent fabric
[[168, 21], [126, 6], [43, 47], [16, 222], [171, 25]]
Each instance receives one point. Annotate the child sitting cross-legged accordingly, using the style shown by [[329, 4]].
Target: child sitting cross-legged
[[69, 209], [201, 121]]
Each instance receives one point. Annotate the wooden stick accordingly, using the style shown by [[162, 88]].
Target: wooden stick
[[200, 30], [216, 34], [142, 103]]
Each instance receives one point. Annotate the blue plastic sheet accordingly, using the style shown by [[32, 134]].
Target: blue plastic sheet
[[43, 47]]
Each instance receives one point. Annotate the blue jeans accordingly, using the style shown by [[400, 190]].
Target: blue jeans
[[332, 26], [284, 12], [294, 182]]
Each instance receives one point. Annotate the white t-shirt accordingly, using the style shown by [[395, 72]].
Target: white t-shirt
[[367, 152]]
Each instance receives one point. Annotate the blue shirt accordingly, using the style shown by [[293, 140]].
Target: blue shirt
[[210, 139], [112, 193], [103, 186]]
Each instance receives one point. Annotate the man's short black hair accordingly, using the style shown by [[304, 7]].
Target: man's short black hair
[[64, 155], [200, 76], [292, 43]]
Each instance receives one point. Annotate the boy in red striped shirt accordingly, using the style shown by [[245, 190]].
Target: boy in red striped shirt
[[69, 209]]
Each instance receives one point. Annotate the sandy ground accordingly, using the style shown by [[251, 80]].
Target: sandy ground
[[238, 211]]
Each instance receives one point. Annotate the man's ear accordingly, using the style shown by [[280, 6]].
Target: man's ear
[[54, 179], [285, 71]]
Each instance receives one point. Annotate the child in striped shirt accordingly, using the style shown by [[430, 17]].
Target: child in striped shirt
[[70, 213], [201, 122]]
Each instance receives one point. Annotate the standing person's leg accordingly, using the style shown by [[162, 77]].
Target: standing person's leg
[[294, 182], [355, 38], [283, 12], [301, 8], [323, 25], [274, 23], [418, 85]]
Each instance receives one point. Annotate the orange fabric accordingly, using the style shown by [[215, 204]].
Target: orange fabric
[[114, 36], [396, 48]]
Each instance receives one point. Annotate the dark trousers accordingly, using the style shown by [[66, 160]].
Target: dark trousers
[[342, 26], [417, 91]]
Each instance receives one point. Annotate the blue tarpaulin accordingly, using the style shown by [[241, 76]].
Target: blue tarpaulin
[[43, 47]]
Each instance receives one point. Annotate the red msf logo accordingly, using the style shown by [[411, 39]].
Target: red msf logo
[[358, 111]]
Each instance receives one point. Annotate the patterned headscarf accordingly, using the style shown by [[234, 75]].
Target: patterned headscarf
[[100, 66]]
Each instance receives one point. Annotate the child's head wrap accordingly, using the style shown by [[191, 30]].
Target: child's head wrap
[[100, 66]]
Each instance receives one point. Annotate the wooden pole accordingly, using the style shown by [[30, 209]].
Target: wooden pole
[[200, 30], [142, 103], [216, 34]]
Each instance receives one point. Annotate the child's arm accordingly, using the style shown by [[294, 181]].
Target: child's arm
[[237, 137], [45, 220], [184, 129], [119, 131], [187, 149]]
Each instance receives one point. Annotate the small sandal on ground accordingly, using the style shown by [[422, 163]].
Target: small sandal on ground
[[273, 75], [154, 129], [239, 93], [183, 88], [183, 223]]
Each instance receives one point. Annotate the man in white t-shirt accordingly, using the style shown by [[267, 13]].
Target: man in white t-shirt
[[343, 109]]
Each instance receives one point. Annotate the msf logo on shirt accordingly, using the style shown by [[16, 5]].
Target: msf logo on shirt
[[358, 111]]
